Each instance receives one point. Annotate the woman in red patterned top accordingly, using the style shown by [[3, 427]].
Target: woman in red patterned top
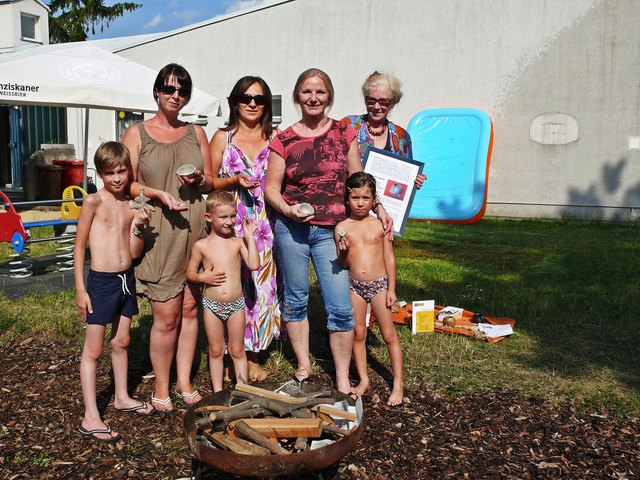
[[309, 164]]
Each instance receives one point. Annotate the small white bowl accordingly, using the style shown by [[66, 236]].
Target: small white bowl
[[305, 209], [186, 170]]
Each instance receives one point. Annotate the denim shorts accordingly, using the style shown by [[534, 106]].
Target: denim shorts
[[296, 244]]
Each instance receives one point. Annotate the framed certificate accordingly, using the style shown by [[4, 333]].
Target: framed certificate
[[395, 176]]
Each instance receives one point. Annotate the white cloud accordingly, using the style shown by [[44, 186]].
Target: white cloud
[[242, 4], [187, 16], [155, 21]]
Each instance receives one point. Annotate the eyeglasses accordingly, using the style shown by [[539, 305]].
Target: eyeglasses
[[170, 90], [371, 101], [246, 99]]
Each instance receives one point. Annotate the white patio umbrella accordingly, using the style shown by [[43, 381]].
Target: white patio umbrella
[[84, 75]]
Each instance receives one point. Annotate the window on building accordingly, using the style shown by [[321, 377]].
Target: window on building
[[276, 106], [202, 120], [124, 120], [28, 26]]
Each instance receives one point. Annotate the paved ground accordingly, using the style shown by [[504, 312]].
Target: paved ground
[[46, 279]]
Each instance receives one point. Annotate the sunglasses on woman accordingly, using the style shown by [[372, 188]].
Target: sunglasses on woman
[[371, 101], [170, 90], [246, 99]]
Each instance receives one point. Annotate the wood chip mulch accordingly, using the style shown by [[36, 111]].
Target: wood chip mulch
[[499, 434]]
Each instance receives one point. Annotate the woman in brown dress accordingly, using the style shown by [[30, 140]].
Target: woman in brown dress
[[159, 146]]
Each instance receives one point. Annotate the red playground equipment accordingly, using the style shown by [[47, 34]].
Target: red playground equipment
[[11, 228], [16, 232]]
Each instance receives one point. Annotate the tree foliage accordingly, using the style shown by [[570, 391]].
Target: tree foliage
[[72, 20]]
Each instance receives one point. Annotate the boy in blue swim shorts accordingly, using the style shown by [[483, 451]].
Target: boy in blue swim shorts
[[220, 255], [114, 232], [366, 251]]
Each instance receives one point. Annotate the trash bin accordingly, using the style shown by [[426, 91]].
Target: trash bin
[[73, 171], [49, 182]]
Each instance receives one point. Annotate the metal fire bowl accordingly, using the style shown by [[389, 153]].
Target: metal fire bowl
[[269, 465]]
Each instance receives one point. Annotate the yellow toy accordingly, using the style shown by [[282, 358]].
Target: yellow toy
[[71, 210]]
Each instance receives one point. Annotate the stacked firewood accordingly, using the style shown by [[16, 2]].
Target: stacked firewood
[[270, 423]]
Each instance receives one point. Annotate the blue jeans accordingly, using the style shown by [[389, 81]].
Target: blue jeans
[[295, 244]]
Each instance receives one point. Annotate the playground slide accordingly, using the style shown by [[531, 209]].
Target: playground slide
[[455, 146]]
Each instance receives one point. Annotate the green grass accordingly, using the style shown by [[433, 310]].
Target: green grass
[[47, 314], [573, 289], [37, 249], [32, 459]]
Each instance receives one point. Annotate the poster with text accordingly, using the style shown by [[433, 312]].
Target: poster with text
[[395, 176]]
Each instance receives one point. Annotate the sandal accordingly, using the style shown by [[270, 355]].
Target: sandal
[[138, 409], [162, 402], [297, 379], [189, 398], [92, 435]]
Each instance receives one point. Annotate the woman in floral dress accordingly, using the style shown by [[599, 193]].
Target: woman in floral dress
[[239, 153]]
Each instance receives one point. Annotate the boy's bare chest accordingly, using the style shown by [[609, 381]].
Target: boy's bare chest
[[115, 217], [222, 254]]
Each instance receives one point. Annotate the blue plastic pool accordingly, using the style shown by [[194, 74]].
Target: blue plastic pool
[[455, 146]]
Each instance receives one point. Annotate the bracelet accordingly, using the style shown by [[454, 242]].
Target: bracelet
[[376, 206], [202, 182], [136, 232]]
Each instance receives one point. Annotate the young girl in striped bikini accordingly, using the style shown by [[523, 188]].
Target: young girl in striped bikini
[[366, 251]]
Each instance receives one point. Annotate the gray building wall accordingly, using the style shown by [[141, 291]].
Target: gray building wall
[[514, 59]]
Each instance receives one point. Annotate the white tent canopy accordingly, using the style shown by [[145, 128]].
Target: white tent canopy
[[84, 75]]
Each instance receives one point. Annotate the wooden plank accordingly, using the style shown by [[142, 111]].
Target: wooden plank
[[326, 419], [285, 427], [335, 412], [248, 432], [261, 392], [236, 445], [232, 433]]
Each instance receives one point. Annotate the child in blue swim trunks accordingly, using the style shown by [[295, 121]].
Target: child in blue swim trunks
[[220, 255], [367, 252], [114, 233]]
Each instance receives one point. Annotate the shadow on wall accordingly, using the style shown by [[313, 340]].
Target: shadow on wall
[[582, 69], [628, 207]]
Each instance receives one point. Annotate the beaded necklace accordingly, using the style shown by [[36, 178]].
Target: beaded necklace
[[375, 133]]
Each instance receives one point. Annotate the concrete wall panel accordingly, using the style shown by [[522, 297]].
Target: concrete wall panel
[[515, 59]]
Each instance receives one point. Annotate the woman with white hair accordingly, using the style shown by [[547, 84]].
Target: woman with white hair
[[381, 93]]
